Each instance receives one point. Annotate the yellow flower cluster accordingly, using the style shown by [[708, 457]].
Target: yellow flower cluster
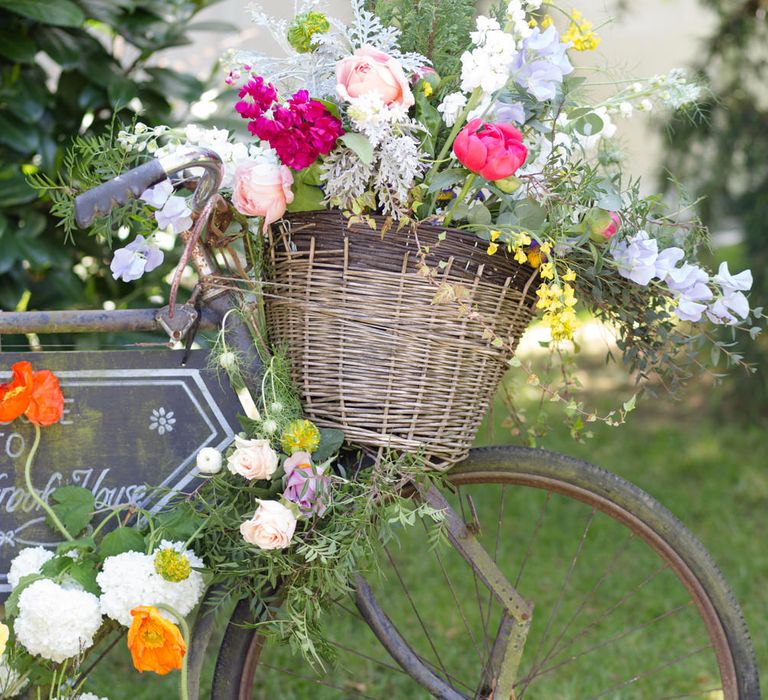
[[172, 565], [580, 33], [558, 304], [517, 247], [546, 23], [300, 436]]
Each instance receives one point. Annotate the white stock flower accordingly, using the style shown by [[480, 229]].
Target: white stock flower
[[451, 107], [516, 16], [209, 461], [56, 623], [90, 696], [28, 561], [487, 66], [484, 26]]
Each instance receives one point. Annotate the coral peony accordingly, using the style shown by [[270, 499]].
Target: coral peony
[[155, 643], [368, 71], [493, 151]]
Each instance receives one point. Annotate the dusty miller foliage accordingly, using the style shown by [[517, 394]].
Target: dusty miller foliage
[[316, 71], [437, 29]]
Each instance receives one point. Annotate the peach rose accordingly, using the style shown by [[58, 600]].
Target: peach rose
[[253, 459], [369, 70], [262, 189], [271, 527]]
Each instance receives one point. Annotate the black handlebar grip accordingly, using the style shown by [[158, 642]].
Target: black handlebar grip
[[102, 199]]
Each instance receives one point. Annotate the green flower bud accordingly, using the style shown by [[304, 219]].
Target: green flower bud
[[303, 27], [508, 184]]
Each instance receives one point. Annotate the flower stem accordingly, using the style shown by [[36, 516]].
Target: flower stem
[[464, 192], [184, 685], [35, 495]]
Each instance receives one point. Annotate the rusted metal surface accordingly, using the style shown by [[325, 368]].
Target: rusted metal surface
[[91, 321]]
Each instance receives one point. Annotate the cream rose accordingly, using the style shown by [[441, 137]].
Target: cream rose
[[253, 459], [369, 70], [262, 189], [271, 527]]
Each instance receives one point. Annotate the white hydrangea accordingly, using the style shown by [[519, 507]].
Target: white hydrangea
[[28, 561], [451, 107], [129, 579], [54, 622], [11, 683]]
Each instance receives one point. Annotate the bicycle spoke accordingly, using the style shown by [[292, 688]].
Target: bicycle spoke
[[561, 596], [636, 677], [415, 610], [317, 681], [616, 638], [534, 534], [610, 610], [608, 569]]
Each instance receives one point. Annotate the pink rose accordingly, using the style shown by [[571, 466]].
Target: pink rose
[[493, 151], [253, 459], [613, 228], [271, 527], [262, 189], [369, 70]]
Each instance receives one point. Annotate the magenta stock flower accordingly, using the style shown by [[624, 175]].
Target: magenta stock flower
[[299, 131]]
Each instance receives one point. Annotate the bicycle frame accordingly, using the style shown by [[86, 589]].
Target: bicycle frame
[[500, 674]]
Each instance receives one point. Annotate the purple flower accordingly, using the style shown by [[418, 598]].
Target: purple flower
[[541, 63], [666, 261], [509, 112], [306, 485], [721, 310], [158, 195], [135, 259], [636, 257], [175, 215], [733, 283]]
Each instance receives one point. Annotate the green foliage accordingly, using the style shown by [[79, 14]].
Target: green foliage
[[74, 506], [123, 539], [437, 29], [66, 68]]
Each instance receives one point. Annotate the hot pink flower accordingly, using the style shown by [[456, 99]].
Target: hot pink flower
[[262, 96], [611, 229], [262, 189], [493, 151], [369, 70]]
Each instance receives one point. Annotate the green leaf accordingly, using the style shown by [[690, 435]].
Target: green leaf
[[360, 145], [331, 441], [61, 13], [22, 138], [84, 572], [589, 125], [85, 543], [123, 539], [447, 178], [307, 196], [55, 567], [178, 524], [479, 215], [74, 505], [12, 604], [16, 46], [170, 82]]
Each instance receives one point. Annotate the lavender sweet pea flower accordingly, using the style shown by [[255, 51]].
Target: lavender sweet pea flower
[[636, 257], [135, 259], [175, 215], [509, 112], [733, 283], [720, 310], [541, 63], [158, 195], [306, 485], [666, 262]]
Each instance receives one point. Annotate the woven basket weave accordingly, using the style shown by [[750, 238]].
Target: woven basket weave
[[370, 353]]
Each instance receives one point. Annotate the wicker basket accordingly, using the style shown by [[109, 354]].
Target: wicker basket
[[370, 353]]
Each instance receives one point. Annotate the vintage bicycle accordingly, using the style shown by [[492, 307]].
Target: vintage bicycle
[[517, 623]]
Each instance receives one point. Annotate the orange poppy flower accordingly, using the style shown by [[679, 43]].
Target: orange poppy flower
[[155, 643], [16, 394], [34, 394]]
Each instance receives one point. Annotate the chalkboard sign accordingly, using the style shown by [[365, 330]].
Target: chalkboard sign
[[131, 419]]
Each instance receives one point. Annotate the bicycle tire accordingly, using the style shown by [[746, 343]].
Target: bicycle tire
[[660, 528]]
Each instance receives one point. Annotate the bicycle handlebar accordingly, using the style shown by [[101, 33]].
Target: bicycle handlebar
[[102, 199]]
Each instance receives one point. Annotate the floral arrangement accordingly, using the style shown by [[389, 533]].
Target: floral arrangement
[[481, 126]]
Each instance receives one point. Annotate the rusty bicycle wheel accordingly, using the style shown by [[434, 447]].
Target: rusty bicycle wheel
[[628, 603]]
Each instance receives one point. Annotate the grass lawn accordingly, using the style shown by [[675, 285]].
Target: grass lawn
[[711, 474]]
